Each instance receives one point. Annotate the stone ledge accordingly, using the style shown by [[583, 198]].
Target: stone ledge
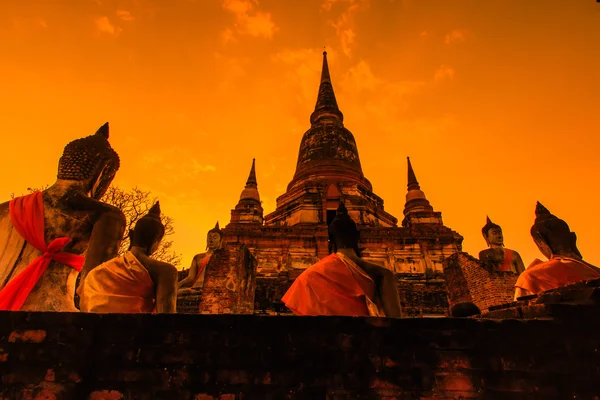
[[86, 356]]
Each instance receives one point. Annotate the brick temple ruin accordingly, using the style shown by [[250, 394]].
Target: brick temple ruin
[[294, 236]]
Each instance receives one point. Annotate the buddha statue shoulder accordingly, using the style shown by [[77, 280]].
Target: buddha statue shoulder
[[497, 257], [197, 271], [47, 237]]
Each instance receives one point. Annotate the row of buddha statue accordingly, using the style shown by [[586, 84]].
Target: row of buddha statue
[[64, 240], [554, 239]]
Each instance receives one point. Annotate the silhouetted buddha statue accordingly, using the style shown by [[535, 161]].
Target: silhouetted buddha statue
[[133, 282], [44, 235], [195, 278], [343, 283], [565, 264], [497, 256]]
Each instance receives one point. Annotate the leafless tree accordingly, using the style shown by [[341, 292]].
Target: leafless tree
[[136, 203]]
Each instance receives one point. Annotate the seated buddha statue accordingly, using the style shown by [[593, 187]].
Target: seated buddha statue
[[133, 282], [342, 283], [197, 271], [47, 237], [565, 264], [498, 257]]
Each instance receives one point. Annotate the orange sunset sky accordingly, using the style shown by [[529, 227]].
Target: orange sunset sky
[[497, 102]]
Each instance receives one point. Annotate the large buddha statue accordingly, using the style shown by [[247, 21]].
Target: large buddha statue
[[565, 264], [343, 283], [497, 257], [133, 282], [197, 271], [47, 237]]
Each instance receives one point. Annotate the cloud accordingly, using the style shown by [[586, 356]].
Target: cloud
[[443, 73], [345, 24], [455, 35], [103, 25], [248, 20], [176, 164], [125, 15], [26, 24]]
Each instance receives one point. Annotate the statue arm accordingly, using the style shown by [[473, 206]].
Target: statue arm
[[165, 278], [187, 281], [105, 240], [519, 265], [385, 281]]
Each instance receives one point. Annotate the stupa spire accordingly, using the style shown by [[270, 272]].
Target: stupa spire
[[251, 182], [326, 107], [413, 184]]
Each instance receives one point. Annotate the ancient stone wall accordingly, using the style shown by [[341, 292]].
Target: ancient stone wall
[[469, 281], [230, 281], [227, 357]]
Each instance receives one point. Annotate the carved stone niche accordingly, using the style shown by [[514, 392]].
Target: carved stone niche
[[230, 281], [468, 281]]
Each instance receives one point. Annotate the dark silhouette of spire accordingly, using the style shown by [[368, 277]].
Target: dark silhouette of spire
[[326, 106], [413, 184], [252, 182]]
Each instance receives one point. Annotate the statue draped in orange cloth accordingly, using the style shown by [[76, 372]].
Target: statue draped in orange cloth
[[565, 263], [342, 283], [133, 282], [197, 271], [498, 257]]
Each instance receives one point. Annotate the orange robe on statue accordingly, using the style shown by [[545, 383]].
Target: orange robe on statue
[[201, 268], [556, 272], [506, 265], [120, 285], [27, 217], [333, 286]]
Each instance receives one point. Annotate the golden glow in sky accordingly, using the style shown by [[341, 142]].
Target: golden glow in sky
[[497, 102]]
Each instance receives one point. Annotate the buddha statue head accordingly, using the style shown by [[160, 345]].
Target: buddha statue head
[[343, 233], [214, 238], [552, 235], [91, 162], [492, 233], [148, 231]]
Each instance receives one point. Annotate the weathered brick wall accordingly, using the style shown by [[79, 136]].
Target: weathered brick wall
[[229, 357], [229, 282], [468, 280]]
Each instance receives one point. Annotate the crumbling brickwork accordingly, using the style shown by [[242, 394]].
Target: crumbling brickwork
[[470, 281], [210, 357], [230, 281]]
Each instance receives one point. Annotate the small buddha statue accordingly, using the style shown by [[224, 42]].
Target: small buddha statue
[[133, 282], [497, 257], [197, 271], [565, 264], [44, 235]]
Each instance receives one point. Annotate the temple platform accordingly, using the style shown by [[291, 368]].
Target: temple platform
[[555, 355]]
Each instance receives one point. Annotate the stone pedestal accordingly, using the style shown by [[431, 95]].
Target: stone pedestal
[[469, 281]]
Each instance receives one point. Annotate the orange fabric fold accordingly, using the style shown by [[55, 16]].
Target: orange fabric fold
[[506, 264], [120, 285], [556, 272], [332, 287], [27, 216], [201, 267]]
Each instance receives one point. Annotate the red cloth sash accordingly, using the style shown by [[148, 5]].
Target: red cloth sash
[[328, 288], [556, 272], [505, 266], [27, 217], [201, 267]]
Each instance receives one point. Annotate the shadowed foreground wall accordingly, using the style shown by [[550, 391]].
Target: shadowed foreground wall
[[227, 357]]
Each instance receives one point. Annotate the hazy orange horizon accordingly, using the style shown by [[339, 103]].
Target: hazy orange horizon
[[497, 103]]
